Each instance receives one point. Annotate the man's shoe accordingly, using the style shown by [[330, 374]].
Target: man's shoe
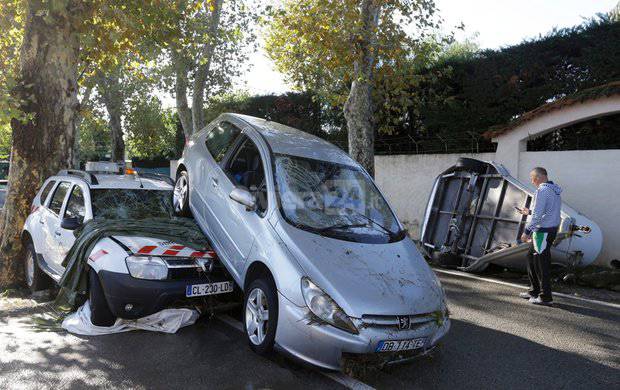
[[526, 295], [539, 301]]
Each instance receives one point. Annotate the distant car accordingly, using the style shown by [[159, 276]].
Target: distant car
[[130, 276], [326, 268]]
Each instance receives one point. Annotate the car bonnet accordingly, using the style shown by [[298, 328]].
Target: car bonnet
[[371, 279]]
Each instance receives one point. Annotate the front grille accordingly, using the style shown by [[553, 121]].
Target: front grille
[[180, 268], [402, 322]]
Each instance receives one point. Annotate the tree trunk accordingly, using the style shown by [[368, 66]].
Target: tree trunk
[[180, 93], [358, 109], [110, 89], [43, 144], [204, 64]]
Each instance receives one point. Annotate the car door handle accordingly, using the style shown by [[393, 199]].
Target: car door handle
[[57, 233], [41, 222], [214, 182]]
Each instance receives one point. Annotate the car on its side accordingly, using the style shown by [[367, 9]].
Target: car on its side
[[129, 276], [326, 268]]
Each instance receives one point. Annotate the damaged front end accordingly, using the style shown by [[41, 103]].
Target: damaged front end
[[471, 221]]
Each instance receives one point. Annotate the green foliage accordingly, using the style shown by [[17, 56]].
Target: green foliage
[[475, 93], [315, 44], [5, 141], [94, 136], [151, 131], [11, 22]]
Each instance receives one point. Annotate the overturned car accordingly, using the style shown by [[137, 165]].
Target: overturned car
[[471, 221]]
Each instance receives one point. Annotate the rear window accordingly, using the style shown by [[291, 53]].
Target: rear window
[[131, 204], [220, 139], [46, 191], [59, 197]]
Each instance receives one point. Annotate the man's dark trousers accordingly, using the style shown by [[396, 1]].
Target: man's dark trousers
[[539, 267]]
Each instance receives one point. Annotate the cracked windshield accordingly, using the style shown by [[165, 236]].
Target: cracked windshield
[[131, 204], [333, 200]]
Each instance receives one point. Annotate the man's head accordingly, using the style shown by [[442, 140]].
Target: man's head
[[538, 176]]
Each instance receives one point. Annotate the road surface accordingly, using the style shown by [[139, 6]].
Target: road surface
[[497, 340]]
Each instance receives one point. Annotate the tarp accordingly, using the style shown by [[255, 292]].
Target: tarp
[[167, 321], [74, 282]]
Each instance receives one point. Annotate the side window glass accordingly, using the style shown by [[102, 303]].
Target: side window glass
[[220, 139], [59, 197], [46, 191], [246, 170], [75, 205]]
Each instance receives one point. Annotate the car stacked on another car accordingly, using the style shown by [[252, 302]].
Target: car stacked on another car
[[129, 276], [326, 268]]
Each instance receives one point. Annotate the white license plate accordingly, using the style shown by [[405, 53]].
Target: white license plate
[[400, 345], [199, 290]]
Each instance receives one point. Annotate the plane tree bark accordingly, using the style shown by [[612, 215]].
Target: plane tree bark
[[43, 141], [358, 109]]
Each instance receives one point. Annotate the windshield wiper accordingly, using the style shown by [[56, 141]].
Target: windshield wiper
[[391, 234], [341, 226]]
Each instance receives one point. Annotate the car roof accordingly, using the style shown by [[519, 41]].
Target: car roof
[[288, 140], [111, 181]]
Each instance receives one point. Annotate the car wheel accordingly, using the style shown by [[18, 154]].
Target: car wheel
[[36, 279], [180, 196], [261, 315], [100, 314]]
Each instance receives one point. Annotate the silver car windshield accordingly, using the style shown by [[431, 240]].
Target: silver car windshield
[[334, 200]]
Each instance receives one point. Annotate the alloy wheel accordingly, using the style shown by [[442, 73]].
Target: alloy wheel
[[29, 269], [180, 193], [257, 316]]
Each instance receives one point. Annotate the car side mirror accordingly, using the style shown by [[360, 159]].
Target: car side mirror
[[70, 223], [244, 197]]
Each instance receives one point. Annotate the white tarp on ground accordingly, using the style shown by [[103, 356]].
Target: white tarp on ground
[[167, 321]]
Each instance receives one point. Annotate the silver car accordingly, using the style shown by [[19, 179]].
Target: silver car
[[326, 268]]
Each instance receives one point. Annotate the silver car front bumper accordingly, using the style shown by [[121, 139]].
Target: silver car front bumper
[[324, 345]]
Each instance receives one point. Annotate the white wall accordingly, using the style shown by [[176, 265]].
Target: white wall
[[590, 179], [407, 180]]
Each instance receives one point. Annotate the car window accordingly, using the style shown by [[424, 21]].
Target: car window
[[246, 170], [59, 197], [46, 191], [111, 203], [75, 204], [220, 139]]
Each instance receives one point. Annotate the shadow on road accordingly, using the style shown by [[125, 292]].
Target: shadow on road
[[474, 357]]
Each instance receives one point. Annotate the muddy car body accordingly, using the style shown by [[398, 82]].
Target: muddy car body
[[326, 267], [472, 221]]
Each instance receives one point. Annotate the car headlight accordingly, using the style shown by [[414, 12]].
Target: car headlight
[[147, 267], [324, 307]]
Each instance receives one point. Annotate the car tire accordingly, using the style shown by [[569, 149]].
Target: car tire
[[259, 332], [100, 314], [36, 279], [180, 197]]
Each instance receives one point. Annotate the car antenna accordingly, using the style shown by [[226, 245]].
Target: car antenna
[[134, 172]]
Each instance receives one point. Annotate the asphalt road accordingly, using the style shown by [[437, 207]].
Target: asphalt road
[[497, 340]]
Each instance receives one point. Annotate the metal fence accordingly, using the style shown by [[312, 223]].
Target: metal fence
[[466, 143]]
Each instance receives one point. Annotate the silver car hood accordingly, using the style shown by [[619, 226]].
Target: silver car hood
[[372, 279]]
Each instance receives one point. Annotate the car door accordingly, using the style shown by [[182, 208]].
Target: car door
[[75, 208], [244, 168], [218, 143], [38, 233], [51, 226]]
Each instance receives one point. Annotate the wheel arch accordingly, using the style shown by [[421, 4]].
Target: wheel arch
[[180, 168], [255, 271]]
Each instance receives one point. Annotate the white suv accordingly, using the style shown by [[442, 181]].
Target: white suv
[[129, 276]]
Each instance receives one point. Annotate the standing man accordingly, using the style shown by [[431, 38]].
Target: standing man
[[541, 232]]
